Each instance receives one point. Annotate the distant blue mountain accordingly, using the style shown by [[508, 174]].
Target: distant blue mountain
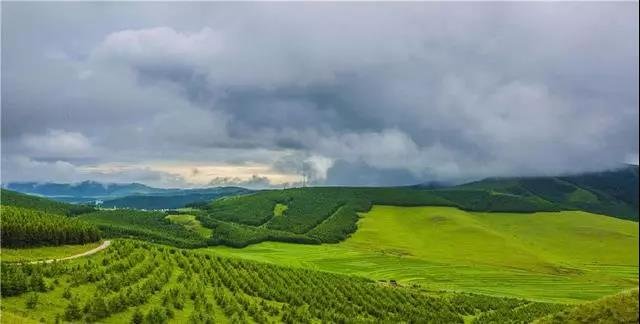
[[123, 195], [83, 189]]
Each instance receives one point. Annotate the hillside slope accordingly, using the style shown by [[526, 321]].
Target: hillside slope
[[161, 284], [613, 192], [329, 214], [619, 308], [563, 256], [12, 198], [23, 227]]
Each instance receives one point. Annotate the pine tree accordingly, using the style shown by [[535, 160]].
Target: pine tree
[[73, 312], [67, 293], [138, 317], [32, 300]]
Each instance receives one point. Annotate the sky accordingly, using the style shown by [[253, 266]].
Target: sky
[[363, 94]]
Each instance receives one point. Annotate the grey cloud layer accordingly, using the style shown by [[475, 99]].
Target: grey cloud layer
[[369, 94]]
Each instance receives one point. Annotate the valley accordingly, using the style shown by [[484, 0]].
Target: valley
[[508, 251]]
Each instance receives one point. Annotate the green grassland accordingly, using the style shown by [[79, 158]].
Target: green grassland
[[45, 252], [567, 256], [191, 223], [164, 284]]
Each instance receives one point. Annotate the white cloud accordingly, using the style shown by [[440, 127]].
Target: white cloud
[[58, 143], [159, 46]]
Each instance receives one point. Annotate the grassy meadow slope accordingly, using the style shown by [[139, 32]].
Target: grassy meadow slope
[[564, 256], [618, 308]]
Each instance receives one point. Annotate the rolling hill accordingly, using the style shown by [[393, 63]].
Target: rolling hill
[[329, 214], [152, 226], [566, 256], [613, 192], [463, 254], [141, 282]]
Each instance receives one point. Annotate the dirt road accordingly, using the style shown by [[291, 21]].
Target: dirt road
[[102, 246]]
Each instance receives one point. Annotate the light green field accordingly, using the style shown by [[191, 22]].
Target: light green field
[[567, 256], [191, 223], [279, 209], [45, 252]]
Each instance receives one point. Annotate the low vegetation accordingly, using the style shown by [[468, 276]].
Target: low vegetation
[[140, 282]]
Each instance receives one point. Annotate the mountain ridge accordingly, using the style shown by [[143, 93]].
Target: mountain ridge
[[611, 192]]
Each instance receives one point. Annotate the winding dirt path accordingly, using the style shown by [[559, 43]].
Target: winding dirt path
[[102, 246]]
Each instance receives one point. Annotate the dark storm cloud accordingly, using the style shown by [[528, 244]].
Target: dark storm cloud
[[344, 173], [348, 93]]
